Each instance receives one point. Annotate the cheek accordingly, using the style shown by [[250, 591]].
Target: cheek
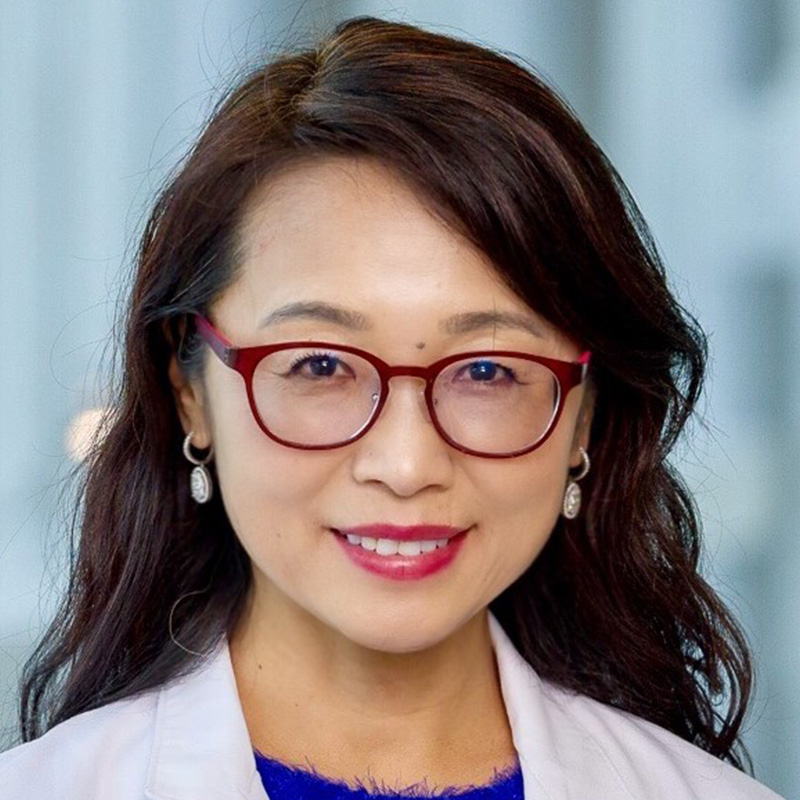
[[525, 497], [529, 498], [268, 490], [532, 484]]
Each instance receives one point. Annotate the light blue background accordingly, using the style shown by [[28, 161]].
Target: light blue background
[[696, 103]]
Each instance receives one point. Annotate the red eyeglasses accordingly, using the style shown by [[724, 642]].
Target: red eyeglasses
[[320, 395]]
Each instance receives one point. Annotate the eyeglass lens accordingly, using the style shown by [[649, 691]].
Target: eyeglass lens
[[488, 404]]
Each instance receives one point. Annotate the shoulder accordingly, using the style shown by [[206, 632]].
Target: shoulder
[[100, 753], [571, 745], [649, 760]]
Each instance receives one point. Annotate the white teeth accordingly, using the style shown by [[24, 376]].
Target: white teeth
[[387, 547], [391, 547], [409, 548]]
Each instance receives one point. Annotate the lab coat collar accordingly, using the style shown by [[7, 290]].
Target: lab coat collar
[[202, 748]]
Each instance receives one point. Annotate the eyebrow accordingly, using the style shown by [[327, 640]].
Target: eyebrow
[[464, 322]]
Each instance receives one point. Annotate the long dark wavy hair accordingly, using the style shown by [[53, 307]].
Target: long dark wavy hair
[[614, 606]]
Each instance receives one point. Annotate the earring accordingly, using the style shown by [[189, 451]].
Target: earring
[[200, 481], [572, 496]]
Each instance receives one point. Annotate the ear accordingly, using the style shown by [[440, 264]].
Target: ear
[[583, 426], [190, 405]]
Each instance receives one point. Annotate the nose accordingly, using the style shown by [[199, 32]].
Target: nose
[[403, 450]]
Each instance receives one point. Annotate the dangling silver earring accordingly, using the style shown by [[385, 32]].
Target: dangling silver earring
[[572, 496], [200, 482]]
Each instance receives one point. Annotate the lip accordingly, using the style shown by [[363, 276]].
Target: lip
[[399, 567], [402, 533]]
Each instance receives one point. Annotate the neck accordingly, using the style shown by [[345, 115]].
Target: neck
[[310, 694]]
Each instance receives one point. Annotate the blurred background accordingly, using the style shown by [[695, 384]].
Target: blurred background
[[696, 103]]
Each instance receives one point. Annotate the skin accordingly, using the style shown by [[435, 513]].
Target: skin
[[353, 673]]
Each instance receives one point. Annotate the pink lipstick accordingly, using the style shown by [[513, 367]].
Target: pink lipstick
[[401, 552]]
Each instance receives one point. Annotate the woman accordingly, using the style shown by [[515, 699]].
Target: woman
[[384, 503]]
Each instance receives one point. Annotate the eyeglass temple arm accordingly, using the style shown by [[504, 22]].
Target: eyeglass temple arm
[[583, 360], [216, 341]]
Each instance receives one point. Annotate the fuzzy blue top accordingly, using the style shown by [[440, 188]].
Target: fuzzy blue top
[[290, 782]]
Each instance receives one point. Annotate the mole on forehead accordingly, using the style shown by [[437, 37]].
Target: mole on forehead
[[420, 345]]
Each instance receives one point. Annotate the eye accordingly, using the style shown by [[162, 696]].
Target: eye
[[486, 371], [320, 365]]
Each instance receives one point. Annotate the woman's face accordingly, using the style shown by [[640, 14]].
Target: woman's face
[[350, 234]]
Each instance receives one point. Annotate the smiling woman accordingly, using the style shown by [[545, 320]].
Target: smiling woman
[[394, 306]]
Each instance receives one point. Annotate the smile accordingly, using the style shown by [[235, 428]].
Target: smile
[[393, 547], [400, 560]]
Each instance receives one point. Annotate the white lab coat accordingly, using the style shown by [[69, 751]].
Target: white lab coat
[[188, 741]]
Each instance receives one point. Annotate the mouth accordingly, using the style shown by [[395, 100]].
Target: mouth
[[393, 547], [402, 559]]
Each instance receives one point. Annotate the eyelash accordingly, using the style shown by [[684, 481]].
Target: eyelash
[[306, 357]]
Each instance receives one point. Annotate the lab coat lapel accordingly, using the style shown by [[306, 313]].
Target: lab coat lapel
[[202, 749], [560, 760]]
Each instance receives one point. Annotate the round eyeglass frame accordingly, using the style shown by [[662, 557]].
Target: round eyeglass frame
[[244, 360]]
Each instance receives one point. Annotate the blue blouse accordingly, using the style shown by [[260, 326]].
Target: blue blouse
[[289, 782]]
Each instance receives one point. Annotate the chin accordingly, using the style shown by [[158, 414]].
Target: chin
[[397, 632]]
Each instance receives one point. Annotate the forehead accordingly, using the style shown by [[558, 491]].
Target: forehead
[[348, 213], [352, 233]]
